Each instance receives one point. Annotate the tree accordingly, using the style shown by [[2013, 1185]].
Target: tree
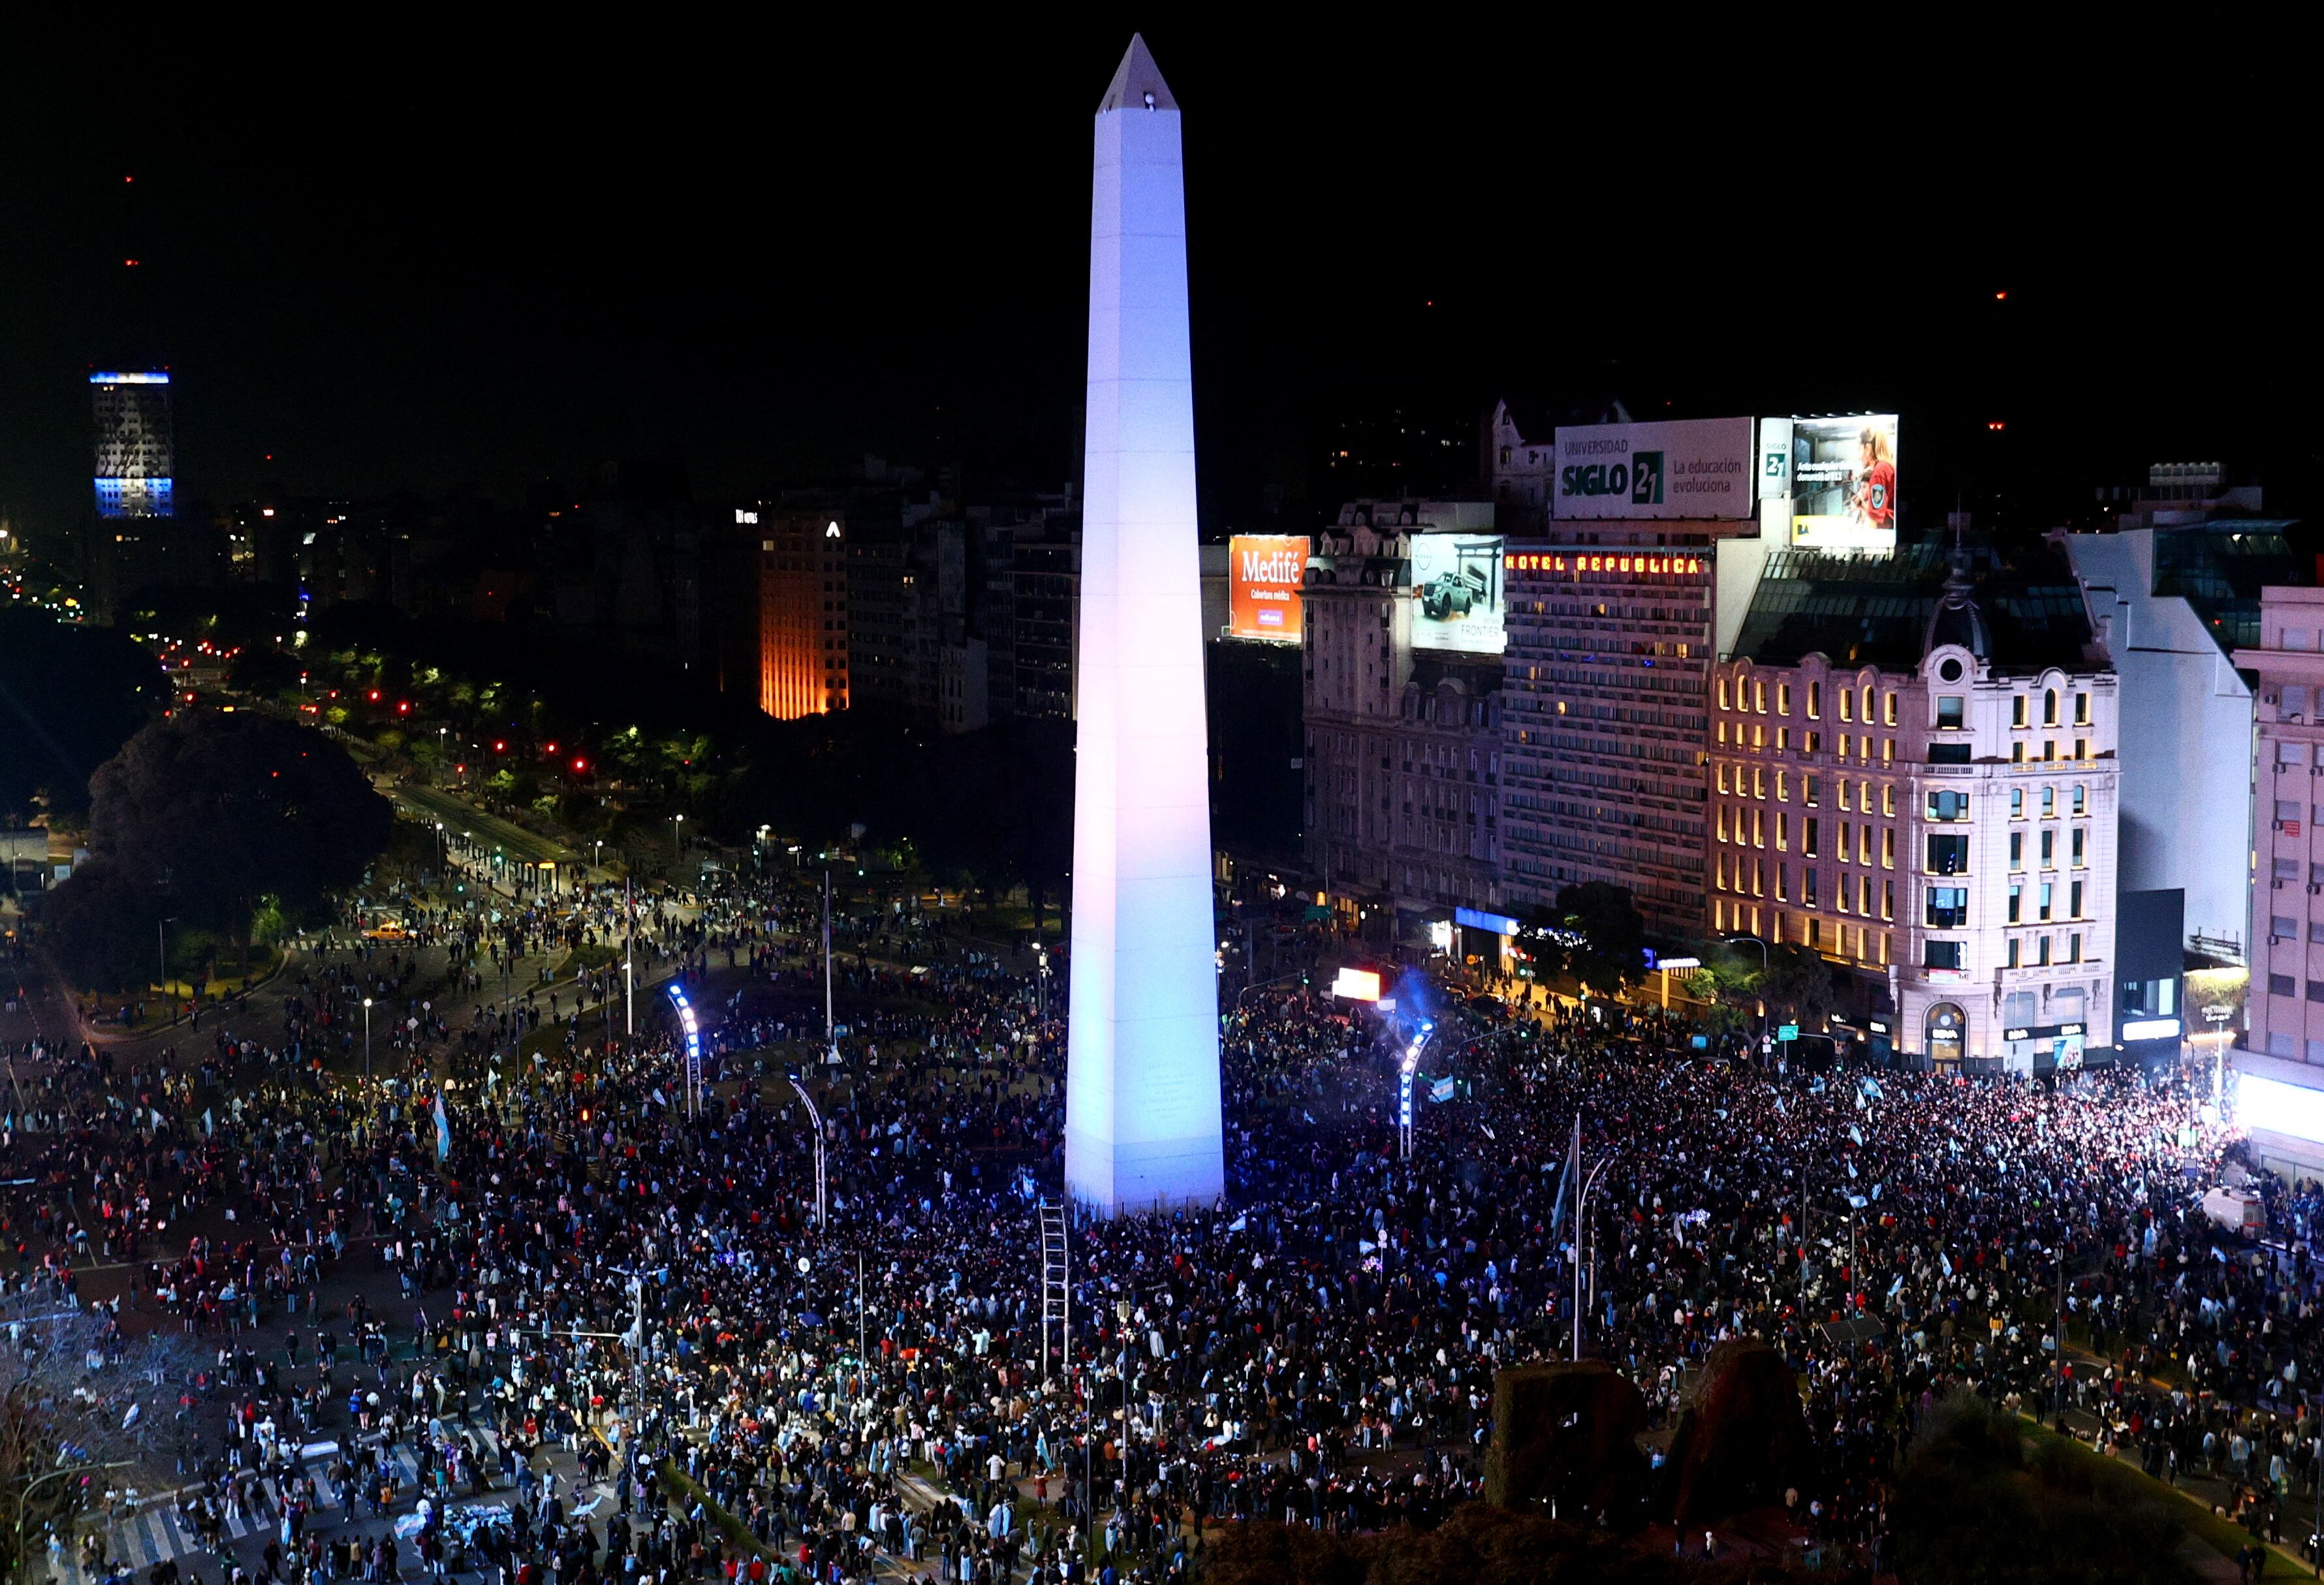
[[101, 925], [70, 697], [83, 1407], [1593, 934], [220, 811], [1799, 983]]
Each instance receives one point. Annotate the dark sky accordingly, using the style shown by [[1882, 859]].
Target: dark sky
[[415, 263]]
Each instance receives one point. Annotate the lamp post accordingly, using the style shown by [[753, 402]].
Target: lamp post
[[1581, 1210], [366, 1040], [815, 1118], [677, 837], [1764, 971]]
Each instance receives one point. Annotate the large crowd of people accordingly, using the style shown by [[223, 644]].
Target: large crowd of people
[[558, 1243]]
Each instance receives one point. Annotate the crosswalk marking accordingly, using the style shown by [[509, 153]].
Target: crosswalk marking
[[158, 1533]]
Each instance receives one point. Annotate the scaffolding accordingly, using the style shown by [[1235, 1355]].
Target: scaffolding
[[1056, 1288]]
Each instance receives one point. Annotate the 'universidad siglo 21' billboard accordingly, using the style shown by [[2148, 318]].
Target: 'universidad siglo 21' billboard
[[1699, 469], [1457, 589], [1264, 574]]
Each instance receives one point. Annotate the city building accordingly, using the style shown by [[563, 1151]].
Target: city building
[[2280, 1062], [2173, 587], [1913, 773], [1650, 553], [1521, 462], [1045, 624], [136, 444], [802, 633], [1609, 659], [1402, 749]]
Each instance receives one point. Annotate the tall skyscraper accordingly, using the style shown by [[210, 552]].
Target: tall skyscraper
[[802, 626], [1142, 1113], [136, 444]]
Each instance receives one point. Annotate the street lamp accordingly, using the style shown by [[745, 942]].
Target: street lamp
[[677, 838], [1581, 1210], [366, 1039], [815, 1119]]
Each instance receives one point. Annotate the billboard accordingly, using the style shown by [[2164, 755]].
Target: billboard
[[1264, 573], [1843, 483], [1457, 589], [1684, 468]]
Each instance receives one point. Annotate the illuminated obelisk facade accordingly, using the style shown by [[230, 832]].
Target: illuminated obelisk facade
[[1142, 1126]]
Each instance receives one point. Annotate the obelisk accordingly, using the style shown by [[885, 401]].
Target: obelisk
[[1143, 1118]]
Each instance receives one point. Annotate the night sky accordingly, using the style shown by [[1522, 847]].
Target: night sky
[[764, 254]]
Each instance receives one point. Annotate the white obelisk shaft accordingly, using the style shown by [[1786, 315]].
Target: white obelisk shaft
[[1142, 1115]]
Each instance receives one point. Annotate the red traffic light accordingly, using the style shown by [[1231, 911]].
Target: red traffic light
[[580, 765]]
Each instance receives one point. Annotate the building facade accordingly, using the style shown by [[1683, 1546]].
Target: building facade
[[1604, 722], [2285, 1016], [1935, 813], [1402, 750], [802, 609], [137, 453]]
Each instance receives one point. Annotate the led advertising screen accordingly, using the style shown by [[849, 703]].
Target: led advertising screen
[[1457, 592], [1844, 482], [1264, 573], [1683, 468]]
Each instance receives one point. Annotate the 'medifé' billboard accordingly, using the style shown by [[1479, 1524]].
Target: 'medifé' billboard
[[1457, 590], [1684, 468], [1264, 574], [1843, 483]]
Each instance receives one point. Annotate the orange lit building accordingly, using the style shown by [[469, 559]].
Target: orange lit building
[[802, 609]]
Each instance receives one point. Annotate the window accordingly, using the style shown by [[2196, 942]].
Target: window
[[1815, 701], [1948, 854], [2016, 848], [1887, 899], [2076, 844], [1888, 707], [1866, 704], [1955, 753], [1782, 698], [2081, 801], [2012, 959], [1864, 843], [1947, 908], [1808, 836], [1758, 782], [1782, 740], [1864, 895], [1843, 794], [1844, 741], [1809, 878], [2016, 751], [1722, 820], [1782, 885], [1759, 696], [1722, 694], [2050, 707], [1947, 805], [2316, 991], [1758, 828], [2290, 753], [1887, 800], [2283, 927], [1949, 712], [1783, 831], [1782, 786], [1846, 708], [2044, 905], [2040, 951], [2082, 709], [2074, 900], [1888, 847], [2049, 803], [2018, 803], [1722, 775], [2282, 985], [2049, 849], [2016, 902], [2017, 710], [1810, 785], [1942, 955]]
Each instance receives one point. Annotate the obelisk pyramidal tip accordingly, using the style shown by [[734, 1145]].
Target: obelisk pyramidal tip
[[1137, 82], [1142, 1114]]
